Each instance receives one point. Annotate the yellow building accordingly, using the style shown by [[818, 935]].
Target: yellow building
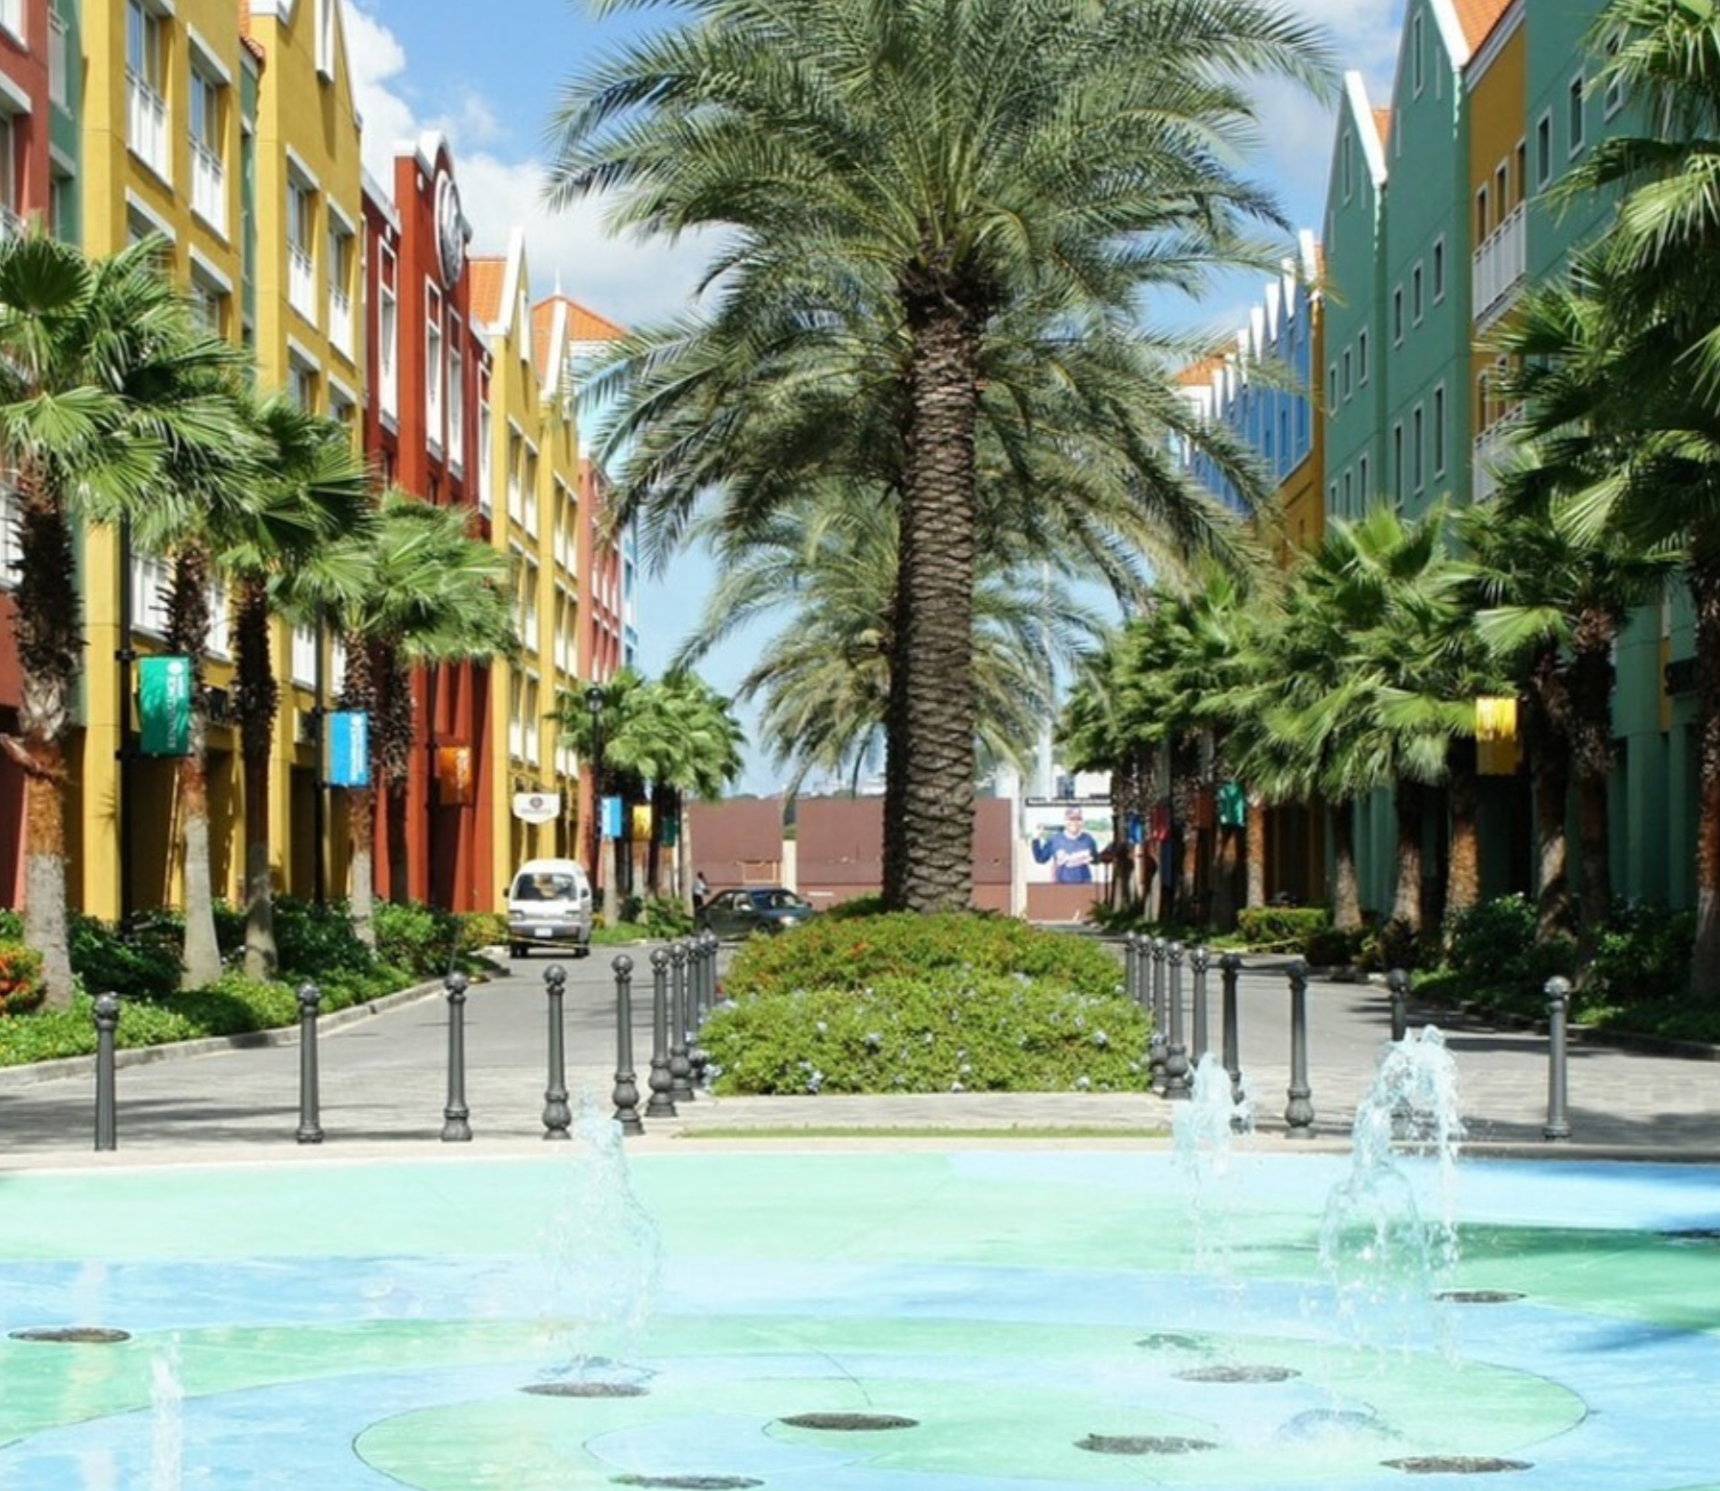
[[229, 129]]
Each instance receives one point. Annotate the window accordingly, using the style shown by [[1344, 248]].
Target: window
[[456, 407], [387, 335], [301, 382], [340, 266], [1483, 216], [1418, 67], [1521, 156], [209, 302], [11, 223], [486, 460], [516, 474], [1346, 375], [1612, 100], [1502, 190], [1362, 355], [58, 90], [12, 18], [342, 407], [1439, 431], [1347, 152], [1544, 150], [208, 171], [1438, 270], [435, 369], [1415, 304], [1397, 461], [1362, 489], [325, 37], [1397, 316], [1574, 112], [9, 538], [146, 88], [301, 265], [1349, 497], [1332, 387], [1416, 446], [1332, 498]]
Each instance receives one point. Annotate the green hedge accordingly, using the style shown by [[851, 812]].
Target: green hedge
[[1281, 928], [903, 1003]]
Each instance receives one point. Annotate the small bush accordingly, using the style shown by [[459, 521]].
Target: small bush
[[1491, 949], [417, 938], [872, 905], [1281, 928], [1642, 957], [1333, 947], [659, 916], [482, 929], [851, 953], [141, 963], [318, 942], [21, 987], [948, 1030]]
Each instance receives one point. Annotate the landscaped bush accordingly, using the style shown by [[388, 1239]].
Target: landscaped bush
[[945, 1030], [1492, 952], [904, 1003], [482, 929], [656, 916], [417, 938], [141, 964], [1282, 928], [851, 953], [20, 978]]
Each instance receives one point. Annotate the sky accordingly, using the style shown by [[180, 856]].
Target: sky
[[488, 75]]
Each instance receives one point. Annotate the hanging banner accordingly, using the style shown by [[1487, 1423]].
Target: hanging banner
[[349, 748], [164, 705], [454, 776], [612, 817], [642, 823], [1498, 746]]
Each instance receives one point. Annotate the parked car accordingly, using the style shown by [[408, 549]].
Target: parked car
[[549, 905], [740, 913]]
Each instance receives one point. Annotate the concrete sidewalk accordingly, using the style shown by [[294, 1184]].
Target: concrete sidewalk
[[384, 1086]]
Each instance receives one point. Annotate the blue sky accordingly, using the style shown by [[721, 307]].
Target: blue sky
[[487, 76]]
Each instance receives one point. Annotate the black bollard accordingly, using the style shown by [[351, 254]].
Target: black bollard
[[705, 988], [1199, 960], [1230, 966], [679, 1069], [1299, 1114], [107, 1111], [1397, 981], [1558, 1009], [557, 1115], [1156, 1046], [1176, 1046], [310, 1099], [662, 1101], [455, 1128], [1132, 968], [626, 1085]]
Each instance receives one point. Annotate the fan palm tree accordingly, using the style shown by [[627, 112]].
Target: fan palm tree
[[432, 594], [108, 385], [921, 173]]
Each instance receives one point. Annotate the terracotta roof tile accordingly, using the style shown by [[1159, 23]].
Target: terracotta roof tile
[[1479, 17], [1383, 123], [587, 326], [1202, 372], [487, 273]]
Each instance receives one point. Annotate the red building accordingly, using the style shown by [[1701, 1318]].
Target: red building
[[427, 375]]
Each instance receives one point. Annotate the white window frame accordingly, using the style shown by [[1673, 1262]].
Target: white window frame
[[1418, 447], [1364, 365], [1439, 275], [456, 404], [1439, 440], [1417, 299], [1418, 61], [387, 333], [1544, 150], [1397, 316], [1576, 114], [435, 369], [1612, 96]]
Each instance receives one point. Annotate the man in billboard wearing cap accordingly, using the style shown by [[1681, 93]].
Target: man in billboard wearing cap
[[1071, 851]]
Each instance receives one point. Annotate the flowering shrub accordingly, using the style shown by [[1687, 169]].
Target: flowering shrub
[[20, 978], [925, 1004]]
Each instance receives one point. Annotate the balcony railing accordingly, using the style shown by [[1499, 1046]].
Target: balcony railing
[[147, 126], [340, 320], [1501, 264], [302, 282], [1494, 452], [209, 187]]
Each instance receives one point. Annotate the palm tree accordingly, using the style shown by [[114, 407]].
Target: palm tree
[[922, 173], [108, 385], [289, 546], [1643, 366], [1553, 601], [432, 594]]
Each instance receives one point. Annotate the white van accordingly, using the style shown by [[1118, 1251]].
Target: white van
[[549, 905]]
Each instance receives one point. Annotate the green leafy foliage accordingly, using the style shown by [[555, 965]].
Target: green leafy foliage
[[417, 938], [1492, 948], [904, 1003], [1282, 928], [482, 929], [656, 916], [21, 987], [1642, 958]]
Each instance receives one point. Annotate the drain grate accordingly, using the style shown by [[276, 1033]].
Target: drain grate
[[1479, 1296], [1455, 1465], [72, 1335], [851, 1422], [689, 1482], [1261, 1373], [1175, 1341], [584, 1390], [1143, 1444]]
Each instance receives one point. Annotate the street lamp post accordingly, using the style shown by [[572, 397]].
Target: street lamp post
[[594, 702]]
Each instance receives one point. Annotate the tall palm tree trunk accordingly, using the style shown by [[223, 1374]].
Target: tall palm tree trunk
[[1705, 593], [50, 651], [259, 700], [187, 634], [1463, 872], [1254, 848], [1592, 760], [660, 798], [929, 861], [1408, 804], [394, 736], [359, 693], [1549, 750], [1346, 890]]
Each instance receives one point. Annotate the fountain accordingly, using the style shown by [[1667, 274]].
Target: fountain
[[916, 1319]]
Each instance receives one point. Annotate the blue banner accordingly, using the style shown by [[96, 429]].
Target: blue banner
[[612, 817], [349, 748]]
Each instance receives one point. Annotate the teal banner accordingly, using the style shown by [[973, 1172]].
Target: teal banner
[[164, 705]]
